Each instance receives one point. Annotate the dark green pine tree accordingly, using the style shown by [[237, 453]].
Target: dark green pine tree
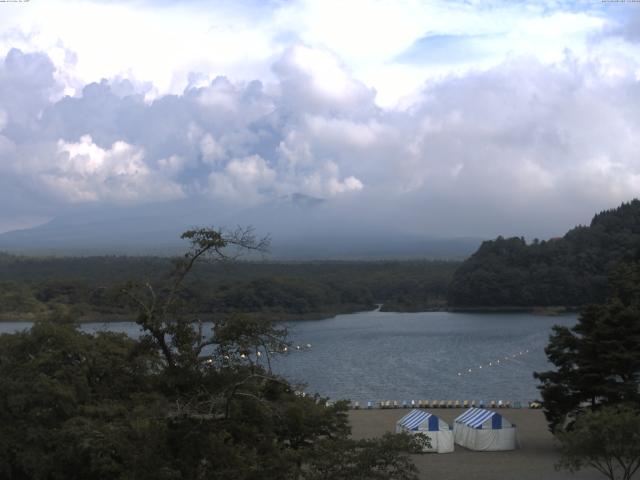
[[598, 360]]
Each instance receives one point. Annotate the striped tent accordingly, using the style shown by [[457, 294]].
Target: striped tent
[[487, 430], [439, 432]]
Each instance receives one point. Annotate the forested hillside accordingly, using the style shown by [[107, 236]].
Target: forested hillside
[[90, 287], [568, 271]]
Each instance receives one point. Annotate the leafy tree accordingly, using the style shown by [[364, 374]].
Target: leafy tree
[[180, 343], [607, 440], [366, 459], [66, 400], [598, 360]]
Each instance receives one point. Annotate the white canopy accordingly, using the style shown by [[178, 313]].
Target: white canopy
[[439, 432], [480, 429]]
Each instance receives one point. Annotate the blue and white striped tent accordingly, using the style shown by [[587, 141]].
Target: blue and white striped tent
[[480, 429], [439, 432], [476, 417]]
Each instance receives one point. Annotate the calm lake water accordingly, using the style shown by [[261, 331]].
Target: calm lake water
[[387, 356]]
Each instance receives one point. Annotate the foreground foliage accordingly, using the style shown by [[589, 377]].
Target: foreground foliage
[[607, 440], [342, 459], [179, 403], [592, 399], [598, 360]]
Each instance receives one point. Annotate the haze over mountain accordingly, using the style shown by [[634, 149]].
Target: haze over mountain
[[408, 121], [300, 227]]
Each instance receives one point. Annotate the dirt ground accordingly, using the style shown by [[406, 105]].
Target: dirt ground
[[534, 460]]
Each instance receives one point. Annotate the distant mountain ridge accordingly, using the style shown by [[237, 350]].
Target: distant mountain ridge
[[302, 227], [569, 271]]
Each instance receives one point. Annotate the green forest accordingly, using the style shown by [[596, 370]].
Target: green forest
[[571, 271], [90, 288]]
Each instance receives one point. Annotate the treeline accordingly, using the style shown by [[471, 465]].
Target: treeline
[[571, 271], [567, 271], [91, 287]]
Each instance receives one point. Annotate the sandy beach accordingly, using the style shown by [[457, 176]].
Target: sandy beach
[[534, 460]]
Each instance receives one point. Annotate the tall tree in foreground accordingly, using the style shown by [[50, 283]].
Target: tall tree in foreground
[[598, 360], [180, 341]]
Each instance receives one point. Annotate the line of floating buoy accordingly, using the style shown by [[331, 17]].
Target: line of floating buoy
[[286, 349], [493, 363], [244, 355], [393, 404], [247, 355]]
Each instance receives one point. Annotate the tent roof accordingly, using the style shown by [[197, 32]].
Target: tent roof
[[414, 419], [474, 417]]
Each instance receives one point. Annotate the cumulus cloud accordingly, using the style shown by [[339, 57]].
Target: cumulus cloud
[[78, 172], [249, 179], [222, 139], [626, 25], [518, 138], [314, 80], [157, 42], [27, 85], [3, 119]]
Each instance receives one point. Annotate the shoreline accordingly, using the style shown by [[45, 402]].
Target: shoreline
[[20, 317], [537, 310]]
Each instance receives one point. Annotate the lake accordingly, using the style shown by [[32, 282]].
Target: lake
[[397, 356]]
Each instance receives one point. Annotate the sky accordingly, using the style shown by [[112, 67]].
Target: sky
[[442, 118]]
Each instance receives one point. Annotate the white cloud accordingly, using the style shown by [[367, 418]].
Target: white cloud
[[158, 44], [513, 124], [349, 184], [243, 180], [211, 150], [166, 44], [27, 86], [84, 172], [357, 134], [220, 95], [172, 165], [313, 80]]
